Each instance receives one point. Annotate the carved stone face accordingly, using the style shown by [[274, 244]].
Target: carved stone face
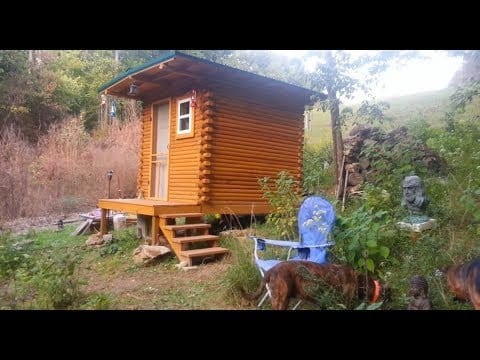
[[414, 198], [409, 193]]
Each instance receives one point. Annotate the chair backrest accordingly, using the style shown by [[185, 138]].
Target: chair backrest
[[316, 218]]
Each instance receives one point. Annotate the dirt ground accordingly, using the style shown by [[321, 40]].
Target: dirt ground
[[114, 281], [160, 286], [22, 226]]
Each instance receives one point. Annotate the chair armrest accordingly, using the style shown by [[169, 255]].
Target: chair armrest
[[284, 243], [315, 246]]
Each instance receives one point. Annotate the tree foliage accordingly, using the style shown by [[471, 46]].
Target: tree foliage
[[38, 88], [339, 74], [467, 82], [470, 69]]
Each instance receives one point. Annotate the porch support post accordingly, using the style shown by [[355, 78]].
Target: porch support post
[[103, 222], [155, 228]]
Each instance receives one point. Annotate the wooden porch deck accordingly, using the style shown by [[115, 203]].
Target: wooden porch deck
[[164, 215], [158, 208], [160, 217], [153, 208], [147, 206]]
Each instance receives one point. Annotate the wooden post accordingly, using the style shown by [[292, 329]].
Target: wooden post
[[345, 191], [103, 222], [155, 227], [337, 188]]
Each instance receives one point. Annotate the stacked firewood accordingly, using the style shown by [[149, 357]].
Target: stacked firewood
[[357, 167]]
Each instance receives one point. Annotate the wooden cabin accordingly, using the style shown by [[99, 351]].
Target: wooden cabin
[[209, 132]]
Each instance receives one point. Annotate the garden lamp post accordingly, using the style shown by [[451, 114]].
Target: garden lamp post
[[109, 176]]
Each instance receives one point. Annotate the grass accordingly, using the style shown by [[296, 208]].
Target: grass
[[110, 280], [113, 281], [430, 105], [321, 131]]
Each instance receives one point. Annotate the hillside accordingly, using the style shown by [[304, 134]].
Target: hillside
[[430, 106]]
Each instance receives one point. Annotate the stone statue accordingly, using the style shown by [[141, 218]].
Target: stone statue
[[419, 294], [414, 199]]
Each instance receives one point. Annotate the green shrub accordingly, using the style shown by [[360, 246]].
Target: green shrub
[[318, 169], [360, 238], [99, 301], [12, 257], [56, 282], [284, 199]]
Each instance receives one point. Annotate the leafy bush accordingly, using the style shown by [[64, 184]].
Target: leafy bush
[[56, 282], [284, 199], [360, 236], [99, 301], [12, 257], [318, 169]]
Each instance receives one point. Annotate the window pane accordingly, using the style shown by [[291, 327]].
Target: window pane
[[184, 124], [184, 108]]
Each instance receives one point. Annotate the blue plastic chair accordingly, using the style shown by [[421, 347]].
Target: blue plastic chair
[[316, 218]]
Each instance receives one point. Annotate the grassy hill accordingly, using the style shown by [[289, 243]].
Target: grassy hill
[[430, 106], [321, 131]]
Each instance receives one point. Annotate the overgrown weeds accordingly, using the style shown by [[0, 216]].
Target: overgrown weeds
[[66, 171], [283, 196], [242, 272]]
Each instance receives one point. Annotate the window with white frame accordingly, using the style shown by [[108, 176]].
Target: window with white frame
[[184, 118]]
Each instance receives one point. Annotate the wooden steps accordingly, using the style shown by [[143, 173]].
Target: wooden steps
[[190, 241], [193, 239], [203, 253], [187, 227]]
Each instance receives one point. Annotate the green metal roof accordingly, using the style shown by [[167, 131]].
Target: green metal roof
[[137, 69], [173, 54]]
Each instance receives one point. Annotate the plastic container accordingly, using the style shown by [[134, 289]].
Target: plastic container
[[119, 221]]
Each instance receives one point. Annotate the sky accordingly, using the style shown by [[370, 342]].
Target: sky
[[432, 73]]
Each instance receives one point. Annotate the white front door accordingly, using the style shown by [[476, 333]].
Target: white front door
[[160, 151]]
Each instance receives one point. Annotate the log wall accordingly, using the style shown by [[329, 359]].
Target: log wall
[[184, 157], [143, 180], [236, 140], [250, 140]]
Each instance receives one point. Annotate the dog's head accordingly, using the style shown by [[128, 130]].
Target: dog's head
[[456, 277]]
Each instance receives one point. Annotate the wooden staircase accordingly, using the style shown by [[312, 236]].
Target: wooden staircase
[[191, 241]]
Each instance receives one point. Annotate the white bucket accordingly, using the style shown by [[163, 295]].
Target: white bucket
[[119, 221]]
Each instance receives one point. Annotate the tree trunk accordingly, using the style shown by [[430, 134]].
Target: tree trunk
[[337, 143], [117, 56]]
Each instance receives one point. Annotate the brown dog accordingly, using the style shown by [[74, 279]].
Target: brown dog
[[464, 281], [304, 279]]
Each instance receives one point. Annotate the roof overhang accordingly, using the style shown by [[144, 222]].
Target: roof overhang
[[176, 72]]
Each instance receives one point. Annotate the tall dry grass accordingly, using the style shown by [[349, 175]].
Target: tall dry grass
[[66, 171], [16, 155]]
